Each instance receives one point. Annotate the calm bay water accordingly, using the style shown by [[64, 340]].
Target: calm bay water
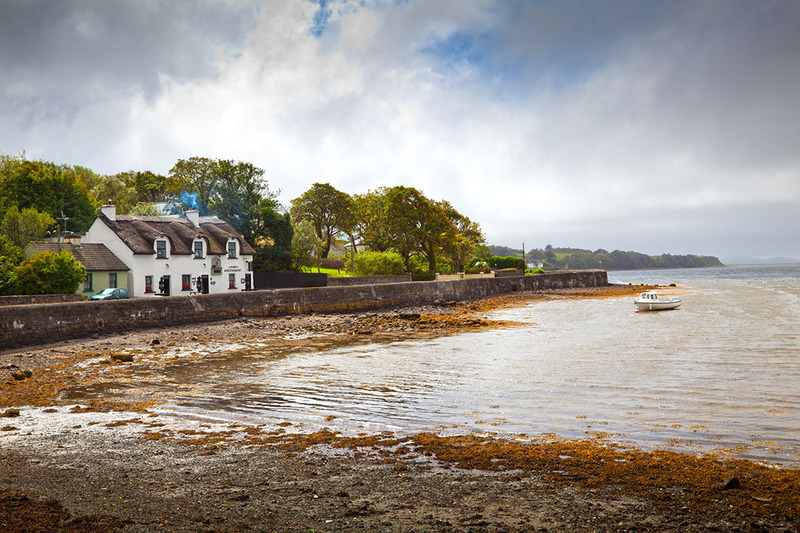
[[721, 372]]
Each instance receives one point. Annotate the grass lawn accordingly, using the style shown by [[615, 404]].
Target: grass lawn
[[331, 272]]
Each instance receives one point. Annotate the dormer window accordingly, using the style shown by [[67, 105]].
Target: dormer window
[[161, 249], [198, 249], [232, 250]]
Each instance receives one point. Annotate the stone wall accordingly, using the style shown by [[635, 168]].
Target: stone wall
[[22, 325], [283, 280], [366, 280], [39, 299]]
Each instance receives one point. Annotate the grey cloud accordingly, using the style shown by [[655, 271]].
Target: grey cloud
[[57, 56]]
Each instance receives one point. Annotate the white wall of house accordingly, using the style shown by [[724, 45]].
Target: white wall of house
[[98, 232], [144, 266], [178, 266]]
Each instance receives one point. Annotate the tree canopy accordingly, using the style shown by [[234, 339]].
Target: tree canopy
[[236, 192], [49, 273], [328, 210], [26, 225], [395, 218], [48, 188]]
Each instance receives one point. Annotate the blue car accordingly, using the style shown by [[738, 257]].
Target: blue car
[[111, 294]]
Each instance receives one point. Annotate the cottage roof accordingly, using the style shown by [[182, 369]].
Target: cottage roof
[[139, 233], [95, 257]]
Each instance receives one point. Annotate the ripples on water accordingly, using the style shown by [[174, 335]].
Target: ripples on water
[[721, 372]]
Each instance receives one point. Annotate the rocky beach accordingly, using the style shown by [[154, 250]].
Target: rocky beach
[[115, 462]]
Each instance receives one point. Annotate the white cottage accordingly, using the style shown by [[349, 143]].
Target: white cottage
[[176, 254]]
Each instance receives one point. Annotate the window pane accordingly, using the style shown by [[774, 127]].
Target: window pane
[[112, 280]]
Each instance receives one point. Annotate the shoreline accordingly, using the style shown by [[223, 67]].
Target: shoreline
[[117, 464]]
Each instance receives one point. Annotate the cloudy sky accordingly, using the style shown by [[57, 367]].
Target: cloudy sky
[[659, 127]]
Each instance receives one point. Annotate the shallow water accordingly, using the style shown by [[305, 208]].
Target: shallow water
[[722, 372]]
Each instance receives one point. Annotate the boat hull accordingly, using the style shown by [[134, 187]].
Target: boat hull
[[642, 305]]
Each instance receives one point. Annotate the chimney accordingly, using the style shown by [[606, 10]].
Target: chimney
[[193, 215], [109, 211]]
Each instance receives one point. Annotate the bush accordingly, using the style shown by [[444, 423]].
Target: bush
[[378, 263], [49, 273], [503, 263], [273, 259], [477, 265], [534, 271]]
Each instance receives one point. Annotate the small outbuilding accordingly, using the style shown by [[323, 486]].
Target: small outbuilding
[[103, 269]]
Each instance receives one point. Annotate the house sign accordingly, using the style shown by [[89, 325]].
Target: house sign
[[216, 266]]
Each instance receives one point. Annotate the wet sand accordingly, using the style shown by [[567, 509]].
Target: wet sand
[[118, 464]]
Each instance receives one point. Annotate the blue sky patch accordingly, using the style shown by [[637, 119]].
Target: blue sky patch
[[321, 18], [461, 50]]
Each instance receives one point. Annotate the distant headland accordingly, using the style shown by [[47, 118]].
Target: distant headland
[[552, 258]]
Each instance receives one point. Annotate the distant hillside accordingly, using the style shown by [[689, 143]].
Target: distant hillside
[[576, 258]]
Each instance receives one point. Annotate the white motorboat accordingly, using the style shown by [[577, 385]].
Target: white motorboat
[[651, 301]]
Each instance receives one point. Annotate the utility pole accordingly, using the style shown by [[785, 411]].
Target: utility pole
[[64, 218]]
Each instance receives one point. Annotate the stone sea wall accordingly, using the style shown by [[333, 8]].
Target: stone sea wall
[[39, 299], [366, 280], [22, 325]]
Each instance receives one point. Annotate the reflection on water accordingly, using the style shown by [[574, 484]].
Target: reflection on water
[[722, 371]]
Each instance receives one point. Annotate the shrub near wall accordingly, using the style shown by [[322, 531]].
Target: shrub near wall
[[369, 263], [503, 263]]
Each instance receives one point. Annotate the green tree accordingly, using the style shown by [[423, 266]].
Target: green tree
[[370, 263], [196, 176], [550, 255], [240, 197], [371, 221], [306, 245], [274, 245], [463, 240], [150, 187], [416, 224], [328, 210], [10, 257], [143, 209], [114, 190], [49, 273], [48, 188], [26, 225], [234, 191]]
